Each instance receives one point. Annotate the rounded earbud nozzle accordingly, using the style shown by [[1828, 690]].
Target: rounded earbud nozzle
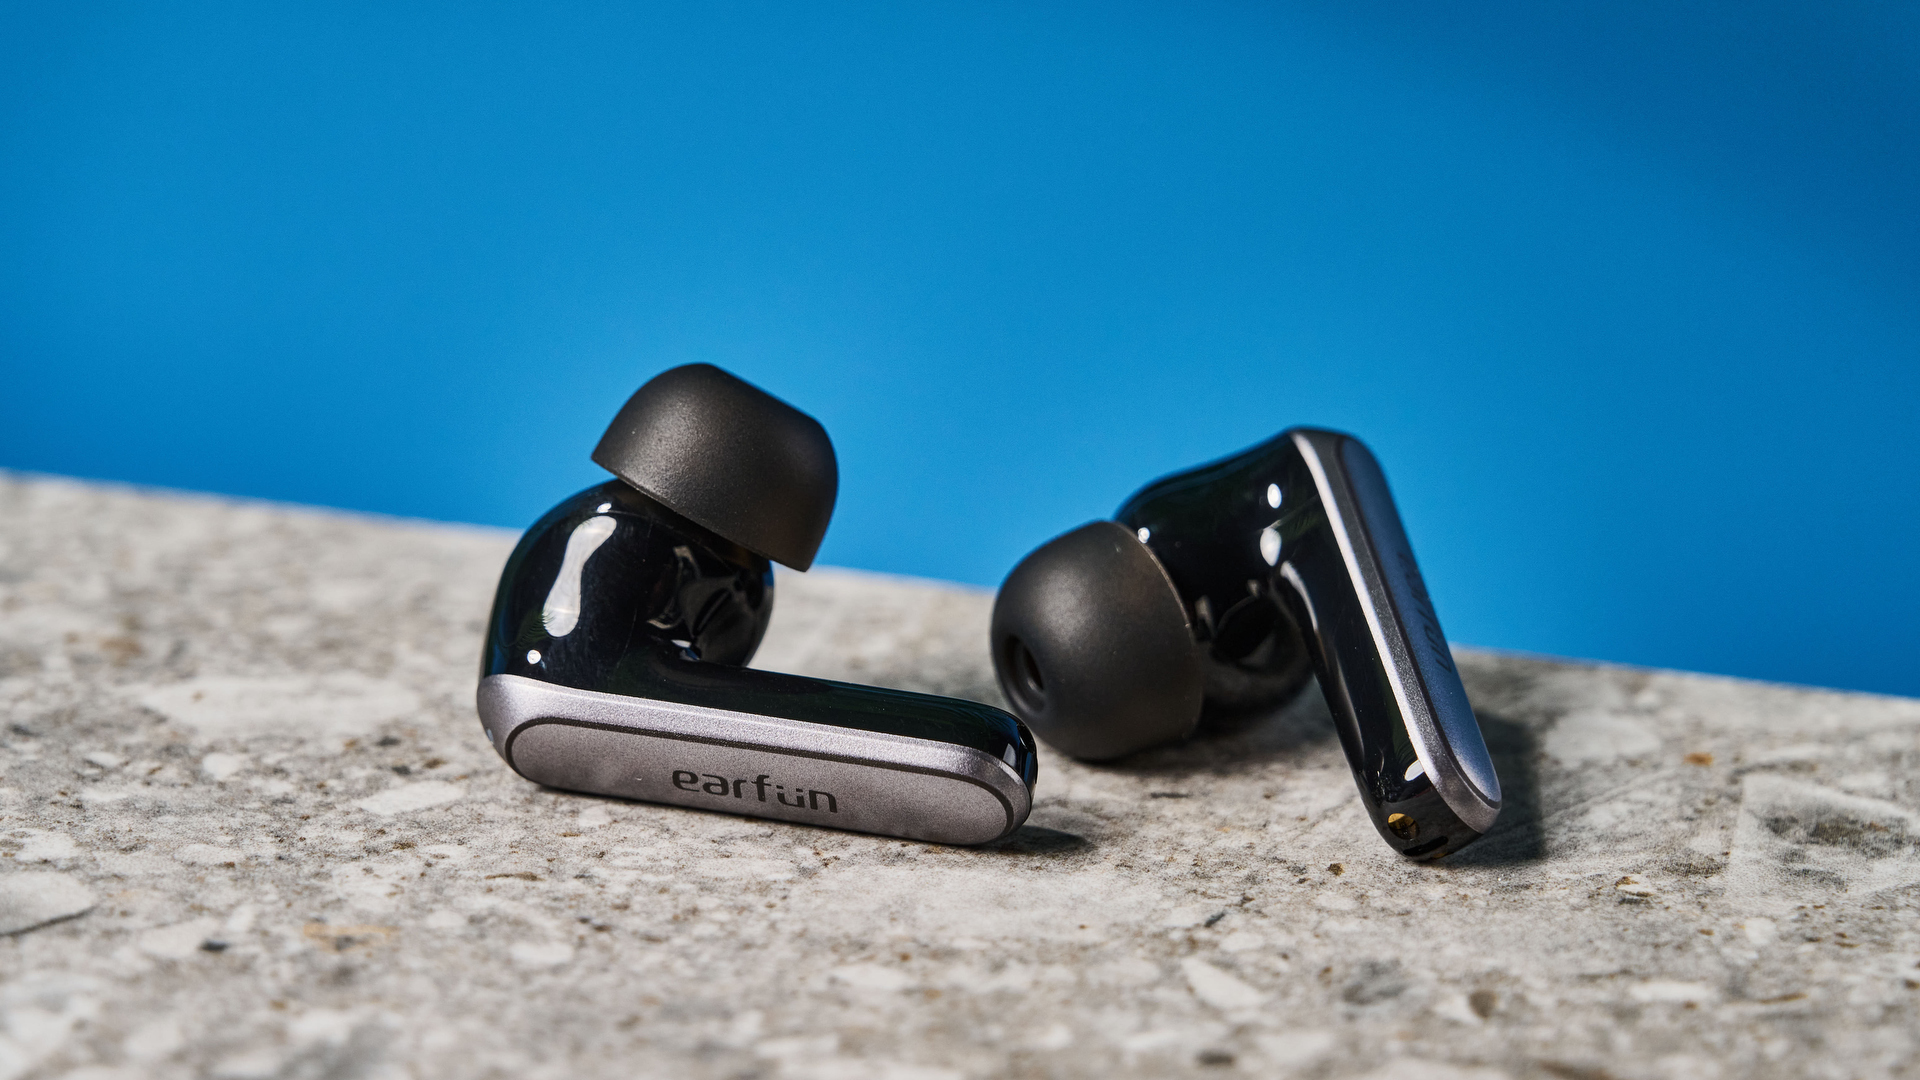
[[1092, 648], [729, 456]]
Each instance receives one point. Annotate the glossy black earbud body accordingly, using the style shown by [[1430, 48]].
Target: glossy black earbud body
[[614, 655], [612, 591], [1286, 559]]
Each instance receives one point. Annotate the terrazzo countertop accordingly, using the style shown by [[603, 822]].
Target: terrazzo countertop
[[249, 827]]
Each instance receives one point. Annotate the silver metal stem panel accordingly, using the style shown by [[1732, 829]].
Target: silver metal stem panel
[[761, 766]]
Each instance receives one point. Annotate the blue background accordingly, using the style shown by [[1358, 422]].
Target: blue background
[[1625, 296]]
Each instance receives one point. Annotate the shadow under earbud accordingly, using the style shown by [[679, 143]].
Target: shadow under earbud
[[1227, 742], [1519, 835], [1230, 743], [1038, 840]]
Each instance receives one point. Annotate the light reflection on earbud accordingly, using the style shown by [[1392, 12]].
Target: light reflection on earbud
[[561, 613]]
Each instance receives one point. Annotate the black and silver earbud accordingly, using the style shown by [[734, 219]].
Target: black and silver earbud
[[1225, 586], [614, 656]]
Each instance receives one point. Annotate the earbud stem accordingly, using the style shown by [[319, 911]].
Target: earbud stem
[[1306, 521], [1383, 665]]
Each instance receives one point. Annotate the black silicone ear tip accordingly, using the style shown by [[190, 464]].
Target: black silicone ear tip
[[729, 456], [1092, 648]]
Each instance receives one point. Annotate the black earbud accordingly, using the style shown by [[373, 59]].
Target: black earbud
[[1224, 587], [613, 660]]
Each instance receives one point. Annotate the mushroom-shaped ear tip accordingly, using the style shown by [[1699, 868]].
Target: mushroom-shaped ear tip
[[1092, 647], [728, 456]]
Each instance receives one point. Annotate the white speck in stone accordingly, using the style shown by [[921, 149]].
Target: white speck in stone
[[411, 797], [248, 1065], [1710, 841], [1132, 971], [1241, 941], [936, 901], [1056, 1037], [1759, 931], [179, 941], [891, 1070], [240, 920], [1789, 755], [1141, 1042], [1457, 1008], [593, 817], [106, 759], [222, 766], [529, 954], [153, 1040], [1333, 901], [337, 705], [1595, 736], [798, 1047], [209, 855], [1295, 1049], [30, 899], [1189, 915], [871, 977], [1866, 783], [1014, 978], [330, 1026], [745, 1029], [744, 870], [103, 796], [1663, 990], [41, 845], [444, 919], [1691, 1066], [1217, 988]]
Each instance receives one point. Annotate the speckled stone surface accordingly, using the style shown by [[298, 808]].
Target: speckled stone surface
[[249, 827]]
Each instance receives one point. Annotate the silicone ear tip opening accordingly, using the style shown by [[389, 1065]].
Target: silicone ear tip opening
[[1092, 649], [1023, 681], [730, 457]]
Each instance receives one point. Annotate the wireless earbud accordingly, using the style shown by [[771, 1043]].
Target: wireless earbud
[[1224, 586], [613, 660]]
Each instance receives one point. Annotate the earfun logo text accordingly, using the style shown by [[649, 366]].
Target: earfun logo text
[[756, 788]]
